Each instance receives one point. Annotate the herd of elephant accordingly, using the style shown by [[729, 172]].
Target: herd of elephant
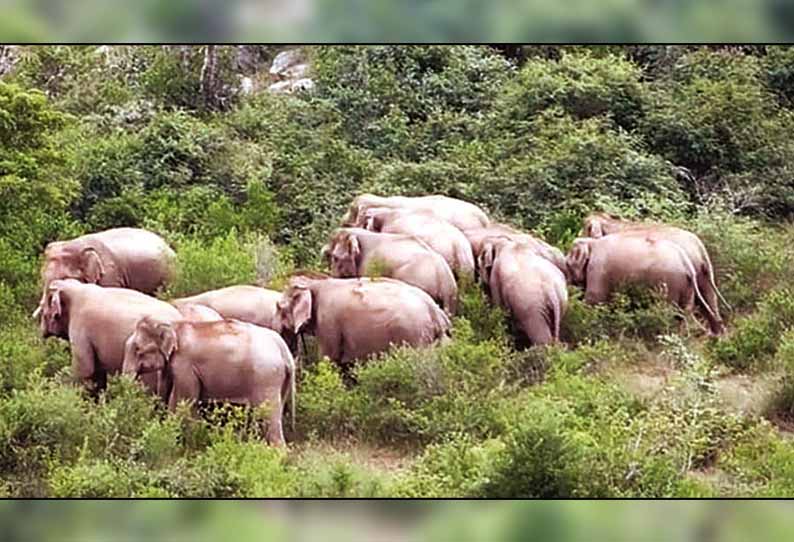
[[395, 264]]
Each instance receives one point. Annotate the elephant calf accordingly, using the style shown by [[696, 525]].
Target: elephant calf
[[602, 265], [97, 321], [225, 360], [440, 235], [356, 318], [250, 304], [528, 286], [356, 252]]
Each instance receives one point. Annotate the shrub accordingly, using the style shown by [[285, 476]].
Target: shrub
[[780, 405], [325, 407], [101, 479], [386, 94], [581, 84], [335, 476], [454, 467], [755, 337], [559, 165], [632, 312], [223, 261]]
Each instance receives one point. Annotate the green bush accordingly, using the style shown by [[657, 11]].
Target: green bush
[[633, 312], [755, 338], [202, 265], [561, 165], [581, 84], [455, 467]]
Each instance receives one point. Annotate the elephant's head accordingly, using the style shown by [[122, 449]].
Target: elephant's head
[[54, 311], [577, 260], [488, 252], [600, 224], [294, 310], [150, 347], [344, 255], [62, 261], [373, 218]]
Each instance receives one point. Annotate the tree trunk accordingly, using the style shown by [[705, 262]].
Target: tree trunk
[[208, 73]]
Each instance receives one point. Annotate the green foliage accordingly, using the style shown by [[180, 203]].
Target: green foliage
[[582, 84], [755, 338], [633, 312], [203, 266], [94, 138], [399, 101], [562, 165]]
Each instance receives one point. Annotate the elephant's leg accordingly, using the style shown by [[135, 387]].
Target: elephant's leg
[[537, 328], [84, 364], [273, 429], [596, 290], [185, 387]]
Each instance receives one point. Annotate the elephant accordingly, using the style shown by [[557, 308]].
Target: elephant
[[223, 360], [528, 286], [121, 258], [439, 234], [461, 214], [600, 224], [601, 265], [196, 312], [250, 304], [97, 321], [356, 252], [353, 319], [478, 236]]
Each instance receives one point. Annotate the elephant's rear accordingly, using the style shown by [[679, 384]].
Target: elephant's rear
[[147, 261]]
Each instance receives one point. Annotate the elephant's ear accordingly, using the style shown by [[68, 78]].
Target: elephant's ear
[[91, 265], [166, 338], [354, 247], [301, 308], [485, 260], [55, 302], [596, 228], [325, 253]]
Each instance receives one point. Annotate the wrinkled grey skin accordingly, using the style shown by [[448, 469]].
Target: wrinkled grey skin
[[598, 225], [97, 321], [601, 265], [442, 237], [461, 214], [121, 258], [478, 236], [356, 252], [223, 360], [529, 287], [250, 304], [353, 319]]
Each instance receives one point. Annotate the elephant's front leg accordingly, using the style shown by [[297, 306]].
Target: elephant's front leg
[[185, 387], [84, 366]]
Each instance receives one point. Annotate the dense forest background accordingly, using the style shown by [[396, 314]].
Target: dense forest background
[[247, 184]]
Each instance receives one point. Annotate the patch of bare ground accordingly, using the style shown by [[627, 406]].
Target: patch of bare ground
[[746, 394]]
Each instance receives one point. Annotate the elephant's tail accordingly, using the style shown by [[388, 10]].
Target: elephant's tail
[[556, 307], [288, 390], [710, 274], [694, 278]]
